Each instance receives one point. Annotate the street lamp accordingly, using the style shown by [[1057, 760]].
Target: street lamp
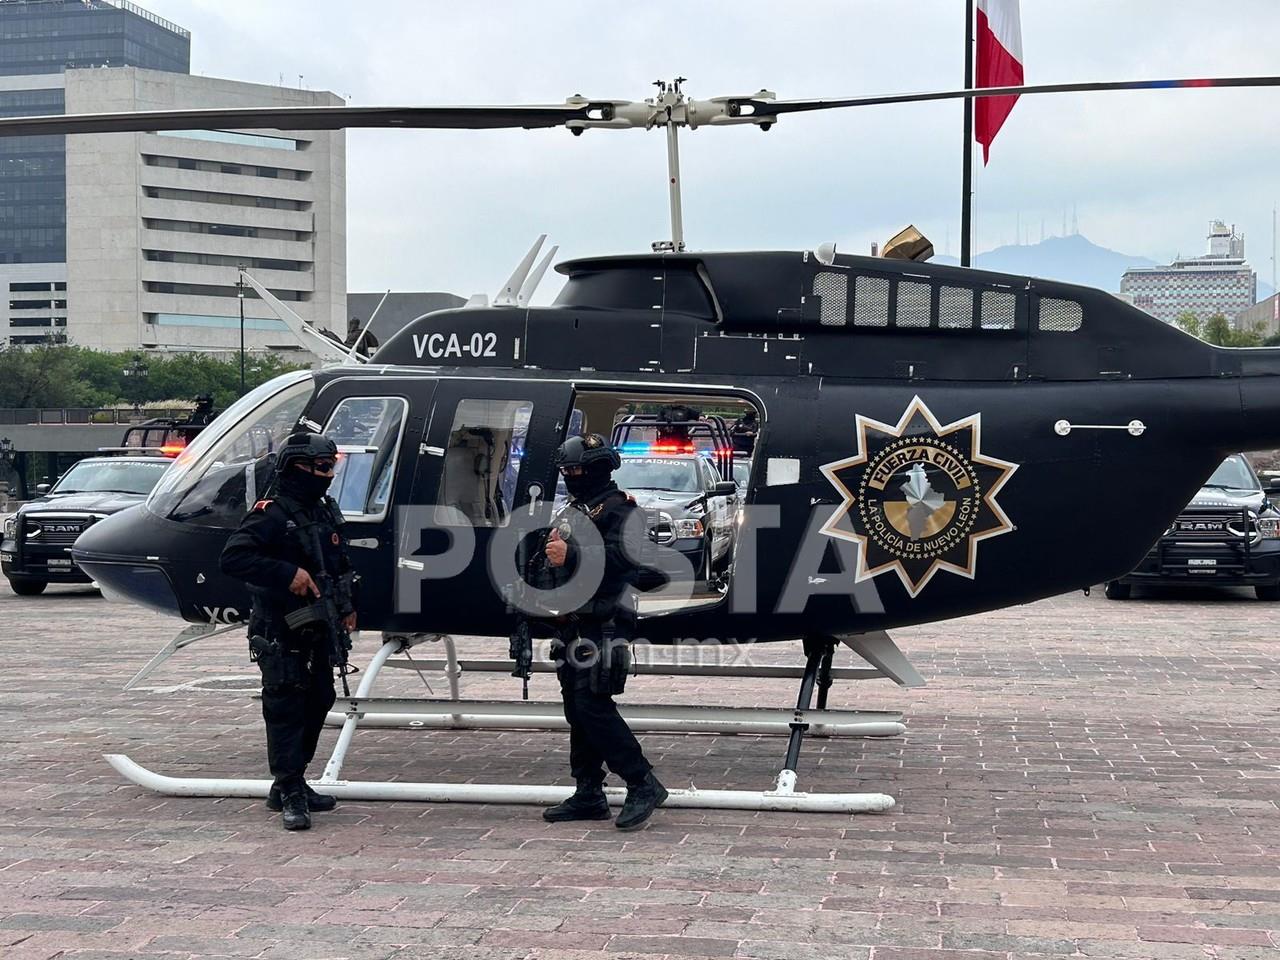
[[240, 297], [136, 371], [6, 466]]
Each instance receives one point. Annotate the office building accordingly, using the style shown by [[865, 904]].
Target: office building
[[128, 241], [1221, 281], [1263, 317]]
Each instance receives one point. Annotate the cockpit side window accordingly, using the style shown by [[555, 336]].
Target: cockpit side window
[[482, 460], [215, 481], [367, 431], [1060, 316]]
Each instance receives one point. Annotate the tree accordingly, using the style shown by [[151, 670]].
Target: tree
[[42, 376], [1189, 322], [65, 376], [1218, 330]]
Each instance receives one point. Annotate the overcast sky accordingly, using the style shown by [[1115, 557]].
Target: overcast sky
[[455, 210]]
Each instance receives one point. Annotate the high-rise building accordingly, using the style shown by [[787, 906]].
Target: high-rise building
[[127, 241], [1219, 282]]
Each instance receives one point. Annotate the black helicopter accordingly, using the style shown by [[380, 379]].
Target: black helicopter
[[933, 441]]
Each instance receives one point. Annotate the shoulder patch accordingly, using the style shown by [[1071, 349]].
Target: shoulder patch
[[261, 505]]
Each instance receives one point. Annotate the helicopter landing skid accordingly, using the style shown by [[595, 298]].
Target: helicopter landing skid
[[192, 634], [783, 797], [817, 674], [883, 657]]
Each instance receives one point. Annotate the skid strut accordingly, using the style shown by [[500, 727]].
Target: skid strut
[[363, 708]]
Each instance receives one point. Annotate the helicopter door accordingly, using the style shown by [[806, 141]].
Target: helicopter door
[[372, 421], [487, 452]]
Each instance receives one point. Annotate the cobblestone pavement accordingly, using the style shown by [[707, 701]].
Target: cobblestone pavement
[[1080, 778]]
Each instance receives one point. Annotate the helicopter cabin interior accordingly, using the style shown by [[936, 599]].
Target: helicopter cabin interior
[[678, 462]]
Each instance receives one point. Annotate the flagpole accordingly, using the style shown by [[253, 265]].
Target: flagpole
[[966, 157]]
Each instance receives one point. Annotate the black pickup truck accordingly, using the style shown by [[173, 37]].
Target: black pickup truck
[[36, 546], [1228, 536]]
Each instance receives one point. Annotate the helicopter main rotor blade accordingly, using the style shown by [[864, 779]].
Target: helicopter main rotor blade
[[576, 113], [767, 108], [311, 118]]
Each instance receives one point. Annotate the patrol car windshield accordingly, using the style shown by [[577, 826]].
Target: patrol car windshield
[[111, 476], [657, 473], [1233, 474]]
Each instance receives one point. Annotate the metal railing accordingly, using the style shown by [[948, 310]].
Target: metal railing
[[148, 15], [84, 416]]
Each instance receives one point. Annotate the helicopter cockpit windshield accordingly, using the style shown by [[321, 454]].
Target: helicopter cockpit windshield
[[217, 479]]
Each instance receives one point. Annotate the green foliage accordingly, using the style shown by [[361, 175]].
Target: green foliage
[[64, 376], [1189, 322], [1217, 330]]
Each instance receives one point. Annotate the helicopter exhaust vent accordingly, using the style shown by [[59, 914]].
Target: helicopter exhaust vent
[[1060, 316], [908, 244], [832, 291]]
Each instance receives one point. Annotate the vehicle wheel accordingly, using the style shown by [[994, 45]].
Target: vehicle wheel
[[1268, 592], [1115, 590], [704, 570], [28, 588]]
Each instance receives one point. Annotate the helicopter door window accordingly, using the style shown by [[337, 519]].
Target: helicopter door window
[[1060, 316], [832, 291], [955, 308], [913, 304], [998, 310], [482, 460], [871, 302], [367, 431]]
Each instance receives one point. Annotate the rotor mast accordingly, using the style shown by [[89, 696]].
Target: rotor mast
[[671, 109], [669, 96]]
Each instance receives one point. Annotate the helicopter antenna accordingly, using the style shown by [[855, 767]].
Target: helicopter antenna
[[530, 285], [509, 295], [354, 355], [327, 349]]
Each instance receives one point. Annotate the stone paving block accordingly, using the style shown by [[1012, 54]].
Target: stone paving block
[[674, 946], [1066, 786]]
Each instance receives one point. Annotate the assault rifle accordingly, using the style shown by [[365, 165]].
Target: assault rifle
[[336, 594], [534, 571]]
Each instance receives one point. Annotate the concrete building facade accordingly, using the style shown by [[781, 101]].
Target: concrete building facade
[[39, 40], [128, 241], [1263, 317], [1219, 282], [158, 224]]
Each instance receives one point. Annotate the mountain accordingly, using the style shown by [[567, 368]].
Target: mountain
[[1072, 259]]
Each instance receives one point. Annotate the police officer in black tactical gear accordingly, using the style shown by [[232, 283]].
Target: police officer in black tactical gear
[[591, 645], [290, 551]]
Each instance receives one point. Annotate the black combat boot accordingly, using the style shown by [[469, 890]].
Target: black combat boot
[[642, 799], [316, 802], [587, 803], [296, 816]]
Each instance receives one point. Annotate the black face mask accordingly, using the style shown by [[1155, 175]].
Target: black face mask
[[588, 484], [307, 487]]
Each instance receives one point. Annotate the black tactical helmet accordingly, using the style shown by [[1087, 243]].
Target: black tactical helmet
[[305, 446], [586, 451]]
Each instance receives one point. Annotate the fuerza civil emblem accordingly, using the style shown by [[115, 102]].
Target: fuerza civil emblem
[[919, 496]]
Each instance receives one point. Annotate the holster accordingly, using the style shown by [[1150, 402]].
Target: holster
[[612, 666], [279, 667]]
